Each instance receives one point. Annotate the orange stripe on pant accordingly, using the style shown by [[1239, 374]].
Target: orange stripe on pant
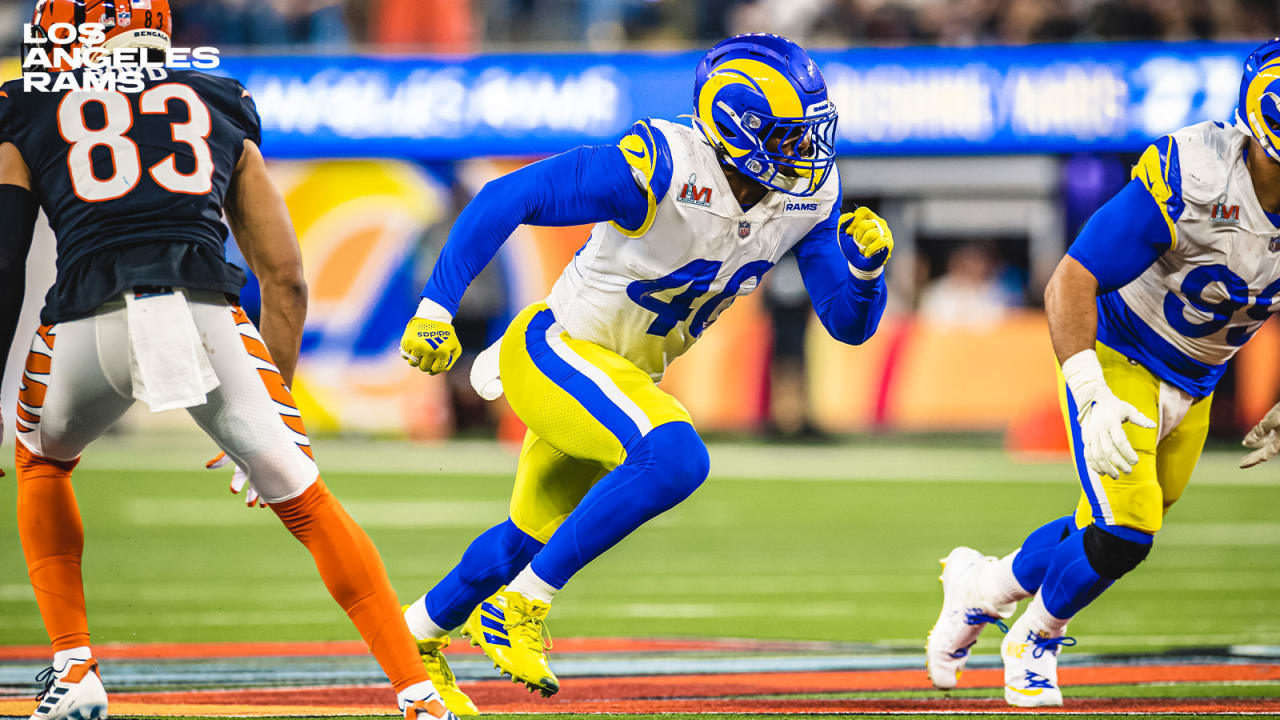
[[32, 392], [353, 572], [52, 541], [272, 380]]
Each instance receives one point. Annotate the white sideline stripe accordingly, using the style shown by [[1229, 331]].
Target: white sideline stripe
[[230, 511], [599, 378]]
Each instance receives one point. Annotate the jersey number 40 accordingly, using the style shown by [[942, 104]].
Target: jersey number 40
[[126, 163], [698, 276]]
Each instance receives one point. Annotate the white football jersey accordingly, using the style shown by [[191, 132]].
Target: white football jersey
[[1215, 285], [648, 293]]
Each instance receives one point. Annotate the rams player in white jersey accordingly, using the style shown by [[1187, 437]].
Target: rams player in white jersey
[[688, 218], [1162, 287]]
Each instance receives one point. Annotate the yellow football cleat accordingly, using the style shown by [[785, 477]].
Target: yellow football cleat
[[443, 678], [432, 653], [510, 629]]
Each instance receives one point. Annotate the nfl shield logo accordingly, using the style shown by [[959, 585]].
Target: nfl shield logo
[[1274, 245], [744, 229]]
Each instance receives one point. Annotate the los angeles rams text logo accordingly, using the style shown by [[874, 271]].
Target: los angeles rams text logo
[[810, 206]]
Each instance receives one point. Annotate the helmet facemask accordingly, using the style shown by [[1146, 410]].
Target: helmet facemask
[[793, 155]]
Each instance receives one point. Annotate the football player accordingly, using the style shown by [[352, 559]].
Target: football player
[[1161, 288], [143, 308], [687, 219]]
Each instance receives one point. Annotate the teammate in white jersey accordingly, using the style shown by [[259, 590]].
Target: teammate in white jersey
[[687, 219], [1162, 287]]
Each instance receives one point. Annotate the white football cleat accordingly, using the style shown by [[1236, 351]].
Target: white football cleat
[[963, 617], [73, 692], [1031, 666], [422, 702]]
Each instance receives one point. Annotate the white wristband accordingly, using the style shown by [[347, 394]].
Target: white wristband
[[431, 310], [1083, 374], [866, 274]]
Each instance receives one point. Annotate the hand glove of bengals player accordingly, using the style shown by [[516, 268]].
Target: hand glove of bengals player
[[430, 345], [866, 241], [239, 481]]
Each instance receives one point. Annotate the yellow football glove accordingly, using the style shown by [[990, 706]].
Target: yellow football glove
[[429, 345], [872, 240]]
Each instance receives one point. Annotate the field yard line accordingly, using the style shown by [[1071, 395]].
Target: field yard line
[[729, 461]]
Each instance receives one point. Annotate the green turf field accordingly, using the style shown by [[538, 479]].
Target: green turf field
[[825, 543]]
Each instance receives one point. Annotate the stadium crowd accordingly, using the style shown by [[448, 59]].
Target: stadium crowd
[[467, 25]]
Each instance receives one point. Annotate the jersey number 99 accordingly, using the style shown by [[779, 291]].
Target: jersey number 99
[[1222, 311], [125, 161]]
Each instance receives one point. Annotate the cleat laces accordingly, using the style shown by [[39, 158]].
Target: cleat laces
[[48, 677], [977, 617], [533, 630], [438, 667], [1050, 645]]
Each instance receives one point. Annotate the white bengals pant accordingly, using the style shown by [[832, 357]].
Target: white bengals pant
[[76, 384]]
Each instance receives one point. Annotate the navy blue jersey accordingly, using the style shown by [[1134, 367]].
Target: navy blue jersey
[[133, 183]]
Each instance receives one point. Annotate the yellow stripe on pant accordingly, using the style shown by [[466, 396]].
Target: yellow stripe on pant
[[1137, 500], [584, 405]]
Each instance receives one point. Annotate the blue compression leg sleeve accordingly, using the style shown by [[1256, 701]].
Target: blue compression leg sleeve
[[490, 562], [661, 470], [1070, 583], [1032, 560]]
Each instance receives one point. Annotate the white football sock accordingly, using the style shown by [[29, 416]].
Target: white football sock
[[528, 584], [62, 657], [420, 623], [1040, 620], [998, 585]]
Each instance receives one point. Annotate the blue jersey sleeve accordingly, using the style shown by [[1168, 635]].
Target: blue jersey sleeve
[[1123, 237], [586, 185], [849, 307]]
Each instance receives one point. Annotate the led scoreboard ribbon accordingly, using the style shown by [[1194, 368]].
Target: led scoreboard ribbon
[[1040, 98]]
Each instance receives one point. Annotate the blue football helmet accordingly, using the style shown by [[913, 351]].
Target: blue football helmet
[[760, 100], [1258, 112]]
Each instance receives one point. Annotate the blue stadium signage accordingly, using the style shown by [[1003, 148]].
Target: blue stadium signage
[[1044, 98]]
